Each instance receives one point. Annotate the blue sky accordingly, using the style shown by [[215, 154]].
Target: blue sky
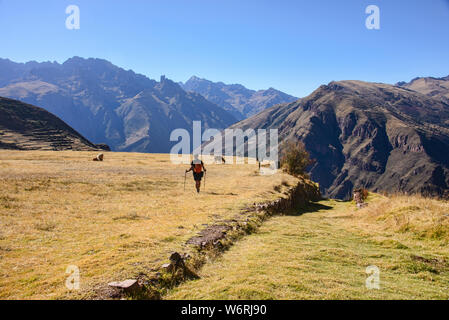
[[294, 46]]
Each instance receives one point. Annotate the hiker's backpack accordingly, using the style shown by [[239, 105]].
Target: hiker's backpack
[[197, 167]]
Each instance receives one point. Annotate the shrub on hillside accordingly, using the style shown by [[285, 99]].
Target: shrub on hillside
[[295, 158], [365, 193]]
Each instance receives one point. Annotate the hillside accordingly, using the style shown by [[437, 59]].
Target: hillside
[[235, 98], [372, 135], [108, 104], [433, 87], [26, 127], [323, 252]]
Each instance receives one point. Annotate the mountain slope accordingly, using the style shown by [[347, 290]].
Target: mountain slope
[[94, 97], [433, 87], [372, 135], [235, 98], [26, 127], [150, 116]]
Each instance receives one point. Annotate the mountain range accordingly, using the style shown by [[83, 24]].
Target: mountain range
[[108, 104], [125, 110], [235, 98], [378, 136]]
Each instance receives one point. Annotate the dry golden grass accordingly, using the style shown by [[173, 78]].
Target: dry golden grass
[[323, 253], [423, 218], [112, 219]]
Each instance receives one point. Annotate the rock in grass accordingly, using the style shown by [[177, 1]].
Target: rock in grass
[[167, 267], [130, 285]]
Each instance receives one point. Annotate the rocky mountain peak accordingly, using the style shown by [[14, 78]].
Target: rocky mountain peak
[[240, 101]]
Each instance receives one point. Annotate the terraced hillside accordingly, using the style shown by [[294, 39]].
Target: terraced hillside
[[26, 127]]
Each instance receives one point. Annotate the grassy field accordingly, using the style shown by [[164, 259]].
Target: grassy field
[[112, 219], [323, 253]]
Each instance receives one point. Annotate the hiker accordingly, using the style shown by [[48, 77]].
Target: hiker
[[197, 166]]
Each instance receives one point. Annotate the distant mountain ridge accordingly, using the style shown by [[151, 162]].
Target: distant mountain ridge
[[378, 136], [27, 127], [235, 98], [108, 104], [431, 86]]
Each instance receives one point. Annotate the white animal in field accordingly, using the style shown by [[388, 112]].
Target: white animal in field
[[220, 159]]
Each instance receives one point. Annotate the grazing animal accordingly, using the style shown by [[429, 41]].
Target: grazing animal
[[99, 157], [219, 159]]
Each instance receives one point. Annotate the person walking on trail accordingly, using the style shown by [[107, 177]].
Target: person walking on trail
[[197, 166]]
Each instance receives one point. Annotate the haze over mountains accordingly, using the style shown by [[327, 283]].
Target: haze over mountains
[[107, 104], [378, 136], [235, 98]]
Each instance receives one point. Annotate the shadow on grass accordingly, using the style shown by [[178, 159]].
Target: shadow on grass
[[220, 194], [310, 207]]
